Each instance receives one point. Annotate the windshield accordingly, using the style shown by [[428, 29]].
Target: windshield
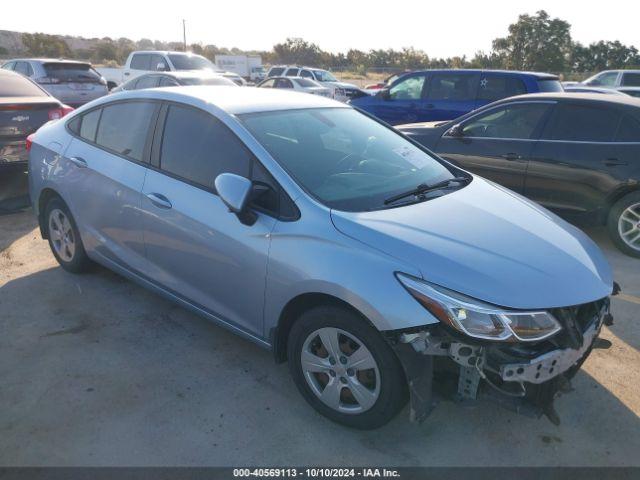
[[71, 72], [324, 76], [208, 81], [183, 61], [14, 85], [343, 158]]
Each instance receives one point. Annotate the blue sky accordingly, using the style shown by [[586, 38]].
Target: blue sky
[[440, 28]]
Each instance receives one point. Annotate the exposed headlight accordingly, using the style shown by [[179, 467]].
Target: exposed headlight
[[477, 319]]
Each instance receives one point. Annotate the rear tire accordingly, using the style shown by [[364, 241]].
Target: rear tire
[[64, 237], [364, 387], [623, 224]]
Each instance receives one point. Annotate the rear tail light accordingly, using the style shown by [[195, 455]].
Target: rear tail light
[[29, 142], [58, 113]]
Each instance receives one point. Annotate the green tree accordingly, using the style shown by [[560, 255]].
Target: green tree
[[298, 51], [604, 56], [536, 42], [43, 45]]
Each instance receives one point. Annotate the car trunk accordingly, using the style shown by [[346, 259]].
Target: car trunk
[[72, 83], [20, 117]]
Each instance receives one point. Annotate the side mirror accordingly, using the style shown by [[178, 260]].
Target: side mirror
[[455, 131], [235, 192], [384, 94]]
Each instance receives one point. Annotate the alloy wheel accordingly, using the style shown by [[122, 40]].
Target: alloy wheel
[[61, 234], [340, 370], [629, 226]]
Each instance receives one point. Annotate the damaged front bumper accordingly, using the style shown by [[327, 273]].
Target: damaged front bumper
[[523, 377]]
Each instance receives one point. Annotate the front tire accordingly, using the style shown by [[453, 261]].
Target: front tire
[[64, 238], [623, 224], [344, 368]]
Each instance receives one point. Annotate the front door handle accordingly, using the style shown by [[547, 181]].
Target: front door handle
[[159, 200], [511, 156], [78, 162], [612, 162]]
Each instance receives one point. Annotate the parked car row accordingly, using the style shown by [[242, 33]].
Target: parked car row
[[576, 154], [455, 286], [24, 107], [340, 91]]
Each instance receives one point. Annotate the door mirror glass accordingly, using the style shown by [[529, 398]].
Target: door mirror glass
[[455, 131], [384, 94], [235, 192]]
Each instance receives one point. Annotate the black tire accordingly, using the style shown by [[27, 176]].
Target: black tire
[[612, 223], [79, 261], [393, 392]]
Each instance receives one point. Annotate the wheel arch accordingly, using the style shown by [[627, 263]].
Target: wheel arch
[[46, 195], [291, 312], [616, 196]]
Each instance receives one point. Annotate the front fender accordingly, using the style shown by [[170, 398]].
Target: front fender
[[311, 256]]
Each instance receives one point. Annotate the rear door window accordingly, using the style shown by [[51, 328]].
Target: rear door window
[[141, 61], [197, 147], [276, 71], [514, 121], [23, 68], [283, 83], [495, 87], [168, 82], [629, 129], [631, 79], [268, 83], [292, 72], [583, 123], [124, 126], [452, 86], [9, 66], [147, 81], [306, 74]]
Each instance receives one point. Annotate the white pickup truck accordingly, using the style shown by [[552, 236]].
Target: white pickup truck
[[140, 62]]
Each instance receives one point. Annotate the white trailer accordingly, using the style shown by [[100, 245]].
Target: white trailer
[[247, 66]]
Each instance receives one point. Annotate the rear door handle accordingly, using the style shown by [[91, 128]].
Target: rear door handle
[[511, 156], [159, 200], [78, 162], [612, 162]]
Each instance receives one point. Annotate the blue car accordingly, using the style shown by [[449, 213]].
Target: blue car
[[432, 95]]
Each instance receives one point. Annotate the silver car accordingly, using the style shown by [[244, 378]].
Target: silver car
[[379, 271], [72, 82]]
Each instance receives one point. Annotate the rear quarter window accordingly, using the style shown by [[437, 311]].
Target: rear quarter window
[[629, 130], [550, 85]]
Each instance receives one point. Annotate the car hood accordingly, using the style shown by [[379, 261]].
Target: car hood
[[489, 243], [340, 84]]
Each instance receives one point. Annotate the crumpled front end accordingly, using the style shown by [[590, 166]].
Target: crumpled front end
[[524, 377]]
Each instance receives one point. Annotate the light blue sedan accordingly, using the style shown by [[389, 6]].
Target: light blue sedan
[[368, 263]]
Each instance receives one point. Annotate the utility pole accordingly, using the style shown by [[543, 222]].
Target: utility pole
[[184, 34]]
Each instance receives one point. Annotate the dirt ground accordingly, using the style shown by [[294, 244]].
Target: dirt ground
[[95, 370]]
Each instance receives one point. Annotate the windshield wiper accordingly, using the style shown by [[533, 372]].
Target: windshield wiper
[[424, 188]]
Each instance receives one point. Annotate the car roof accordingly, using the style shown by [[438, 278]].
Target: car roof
[[234, 100], [539, 75], [589, 97], [186, 74], [49, 60]]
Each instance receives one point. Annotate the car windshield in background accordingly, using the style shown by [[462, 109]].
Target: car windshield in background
[[343, 158], [324, 76], [207, 81], [190, 62], [17, 86], [305, 82], [550, 85], [71, 72]]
